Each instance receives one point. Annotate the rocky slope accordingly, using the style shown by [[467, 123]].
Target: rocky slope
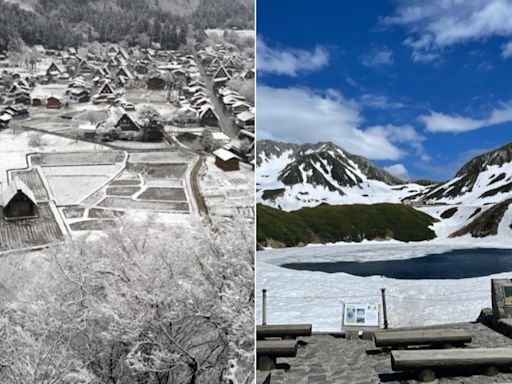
[[292, 176], [485, 179]]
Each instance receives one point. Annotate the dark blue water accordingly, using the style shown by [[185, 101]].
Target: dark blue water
[[456, 264]]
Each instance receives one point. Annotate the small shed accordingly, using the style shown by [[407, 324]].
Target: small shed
[[53, 102], [156, 82], [18, 201], [226, 160]]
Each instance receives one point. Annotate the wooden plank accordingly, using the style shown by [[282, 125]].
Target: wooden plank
[[450, 358], [283, 330], [277, 348], [421, 337]]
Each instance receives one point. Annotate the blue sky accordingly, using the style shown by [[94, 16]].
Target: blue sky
[[418, 87]]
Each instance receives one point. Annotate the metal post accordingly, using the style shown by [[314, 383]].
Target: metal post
[[264, 308], [384, 309]]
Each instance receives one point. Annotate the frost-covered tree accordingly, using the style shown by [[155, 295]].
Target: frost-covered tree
[[132, 307]]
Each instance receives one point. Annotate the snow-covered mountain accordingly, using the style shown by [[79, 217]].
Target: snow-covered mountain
[[293, 176], [476, 203], [485, 179]]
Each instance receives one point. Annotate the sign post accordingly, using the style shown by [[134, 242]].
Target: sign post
[[360, 317], [501, 299]]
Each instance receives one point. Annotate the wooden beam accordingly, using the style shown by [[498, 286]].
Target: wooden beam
[[277, 348], [451, 358], [421, 337], [283, 330]]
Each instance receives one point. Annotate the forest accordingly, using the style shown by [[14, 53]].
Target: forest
[[58, 24]]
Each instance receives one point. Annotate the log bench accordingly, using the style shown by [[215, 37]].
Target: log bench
[[432, 337], [267, 351], [425, 363], [283, 331]]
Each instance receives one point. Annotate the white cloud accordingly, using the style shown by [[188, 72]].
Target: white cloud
[[506, 50], [379, 102], [439, 122], [289, 61], [437, 24], [404, 135], [301, 115], [398, 170], [378, 57]]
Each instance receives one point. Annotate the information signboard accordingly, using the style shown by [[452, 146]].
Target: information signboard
[[507, 295], [361, 315]]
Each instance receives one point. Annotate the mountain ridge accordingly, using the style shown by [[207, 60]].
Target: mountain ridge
[[305, 175]]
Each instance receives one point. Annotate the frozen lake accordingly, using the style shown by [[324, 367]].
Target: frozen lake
[[311, 296], [453, 264]]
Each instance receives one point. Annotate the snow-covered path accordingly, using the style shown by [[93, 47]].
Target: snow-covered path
[[316, 297]]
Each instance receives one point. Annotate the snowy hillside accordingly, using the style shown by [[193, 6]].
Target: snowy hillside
[[292, 176], [474, 204], [485, 179]]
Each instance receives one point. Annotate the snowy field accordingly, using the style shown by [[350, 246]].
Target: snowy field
[[16, 145], [228, 193], [317, 297]]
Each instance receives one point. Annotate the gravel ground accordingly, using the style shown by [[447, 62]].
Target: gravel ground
[[328, 359]]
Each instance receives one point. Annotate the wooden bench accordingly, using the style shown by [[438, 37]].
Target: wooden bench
[[433, 337], [284, 331], [425, 363], [267, 351]]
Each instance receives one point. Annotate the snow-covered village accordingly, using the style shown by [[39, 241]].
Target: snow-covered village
[[127, 197], [93, 134]]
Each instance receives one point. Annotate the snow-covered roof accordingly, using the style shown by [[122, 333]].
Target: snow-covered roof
[[205, 109], [9, 191], [5, 118], [188, 110], [240, 103], [225, 155], [245, 116]]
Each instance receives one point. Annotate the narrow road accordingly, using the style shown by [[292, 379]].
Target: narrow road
[[194, 185], [225, 122], [194, 177]]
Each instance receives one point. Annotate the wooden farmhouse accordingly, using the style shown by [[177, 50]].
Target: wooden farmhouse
[[53, 71], [226, 160], [79, 96], [126, 123], [106, 89], [208, 117], [18, 201], [245, 120]]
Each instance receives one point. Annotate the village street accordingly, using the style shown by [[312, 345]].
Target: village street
[[225, 122]]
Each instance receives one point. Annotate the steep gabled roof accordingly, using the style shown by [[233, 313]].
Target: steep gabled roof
[[205, 109], [9, 191]]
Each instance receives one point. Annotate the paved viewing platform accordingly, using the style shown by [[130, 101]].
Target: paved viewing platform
[[330, 358]]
